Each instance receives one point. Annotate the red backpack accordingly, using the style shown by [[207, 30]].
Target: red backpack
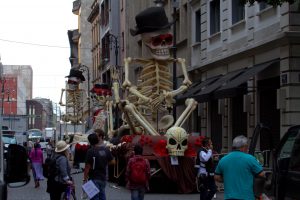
[[138, 171]]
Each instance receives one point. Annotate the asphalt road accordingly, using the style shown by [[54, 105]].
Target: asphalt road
[[28, 192]]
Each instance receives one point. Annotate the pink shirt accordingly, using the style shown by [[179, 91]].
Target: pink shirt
[[36, 155]]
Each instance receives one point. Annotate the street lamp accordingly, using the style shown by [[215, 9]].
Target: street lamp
[[86, 69]]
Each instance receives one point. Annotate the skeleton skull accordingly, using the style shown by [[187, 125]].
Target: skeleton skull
[[73, 83], [177, 141], [159, 43]]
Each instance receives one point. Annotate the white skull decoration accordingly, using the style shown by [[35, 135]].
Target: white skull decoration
[[177, 141], [73, 83], [159, 43]]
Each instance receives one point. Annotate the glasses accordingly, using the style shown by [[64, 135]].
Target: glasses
[[167, 39]]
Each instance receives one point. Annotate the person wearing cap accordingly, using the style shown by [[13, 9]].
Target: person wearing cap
[[56, 186], [237, 170]]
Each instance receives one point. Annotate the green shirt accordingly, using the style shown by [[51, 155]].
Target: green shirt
[[238, 170]]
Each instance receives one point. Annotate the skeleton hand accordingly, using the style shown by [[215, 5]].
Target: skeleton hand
[[169, 98], [126, 82]]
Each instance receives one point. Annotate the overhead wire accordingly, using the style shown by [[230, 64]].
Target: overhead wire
[[41, 45]]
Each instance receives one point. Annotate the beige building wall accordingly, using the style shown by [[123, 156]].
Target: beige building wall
[[262, 36]]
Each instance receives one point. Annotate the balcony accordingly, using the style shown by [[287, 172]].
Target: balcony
[[76, 7]]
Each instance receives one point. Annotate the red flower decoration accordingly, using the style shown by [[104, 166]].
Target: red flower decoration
[[198, 141], [160, 148], [191, 152], [127, 138]]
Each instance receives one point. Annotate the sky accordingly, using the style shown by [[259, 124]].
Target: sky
[[43, 26]]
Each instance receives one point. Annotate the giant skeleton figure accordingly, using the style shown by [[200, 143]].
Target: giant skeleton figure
[[153, 96], [101, 96], [74, 97]]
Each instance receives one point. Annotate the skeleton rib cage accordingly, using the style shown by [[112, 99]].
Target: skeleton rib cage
[[154, 79], [74, 107]]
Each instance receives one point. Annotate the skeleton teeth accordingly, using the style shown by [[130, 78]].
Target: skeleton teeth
[[160, 52]]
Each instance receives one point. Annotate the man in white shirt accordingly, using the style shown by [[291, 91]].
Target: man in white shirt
[[206, 170]]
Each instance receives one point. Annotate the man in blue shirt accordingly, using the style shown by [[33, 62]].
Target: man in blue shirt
[[237, 170]]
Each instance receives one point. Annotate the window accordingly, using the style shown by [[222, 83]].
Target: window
[[238, 11], [198, 26], [295, 158], [105, 49], [214, 16], [287, 147], [263, 5]]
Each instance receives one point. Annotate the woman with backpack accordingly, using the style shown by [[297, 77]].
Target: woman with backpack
[[138, 174], [60, 176], [36, 158]]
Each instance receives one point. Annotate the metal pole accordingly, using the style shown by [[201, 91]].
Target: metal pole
[[114, 40], [1, 142], [59, 123], [175, 57]]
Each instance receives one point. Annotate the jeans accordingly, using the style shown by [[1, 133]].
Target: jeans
[[101, 186], [138, 194], [208, 189]]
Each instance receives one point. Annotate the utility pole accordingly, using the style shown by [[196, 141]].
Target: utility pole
[[175, 4], [1, 120]]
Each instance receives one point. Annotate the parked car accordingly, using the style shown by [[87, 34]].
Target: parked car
[[281, 163], [7, 140]]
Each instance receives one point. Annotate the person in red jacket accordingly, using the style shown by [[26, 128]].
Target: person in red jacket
[[138, 174]]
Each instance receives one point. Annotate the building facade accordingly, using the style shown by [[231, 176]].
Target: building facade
[[243, 61], [245, 68], [40, 113]]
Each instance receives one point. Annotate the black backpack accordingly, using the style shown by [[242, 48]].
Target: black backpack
[[49, 167]]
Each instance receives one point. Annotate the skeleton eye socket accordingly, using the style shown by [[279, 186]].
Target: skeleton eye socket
[[184, 142], [172, 141], [167, 39]]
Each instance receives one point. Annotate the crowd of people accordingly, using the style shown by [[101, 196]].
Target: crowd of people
[[236, 170]]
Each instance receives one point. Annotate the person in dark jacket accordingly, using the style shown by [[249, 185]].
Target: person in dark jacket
[[98, 157], [58, 184]]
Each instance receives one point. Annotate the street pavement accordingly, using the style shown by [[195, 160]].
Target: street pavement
[[113, 192]]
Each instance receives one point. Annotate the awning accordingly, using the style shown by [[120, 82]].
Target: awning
[[195, 88], [205, 94], [234, 87]]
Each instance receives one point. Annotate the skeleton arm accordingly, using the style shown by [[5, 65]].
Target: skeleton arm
[[61, 96], [109, 118], [185, 83], [127, 84], [191, 105], [115, 88]]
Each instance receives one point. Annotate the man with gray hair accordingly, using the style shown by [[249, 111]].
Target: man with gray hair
[[237, 170]]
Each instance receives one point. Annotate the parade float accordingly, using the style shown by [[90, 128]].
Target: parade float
[[146, 111]]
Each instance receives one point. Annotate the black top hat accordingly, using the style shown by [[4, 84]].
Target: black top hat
[[151, 19], [77, 74]]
